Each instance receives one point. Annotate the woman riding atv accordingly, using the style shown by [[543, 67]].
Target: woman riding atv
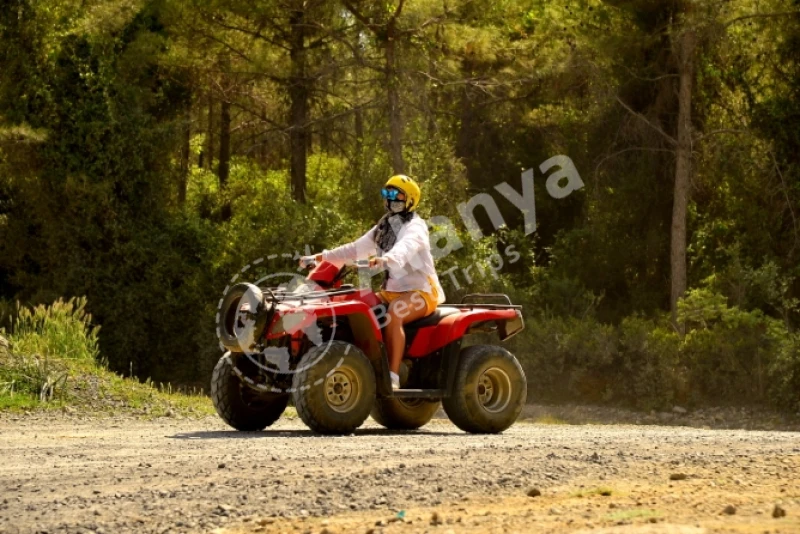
[[400, 245]]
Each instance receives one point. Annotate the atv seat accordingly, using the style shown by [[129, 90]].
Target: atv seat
[[433, 319]]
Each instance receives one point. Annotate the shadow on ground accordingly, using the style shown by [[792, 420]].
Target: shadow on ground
[[278, 433]]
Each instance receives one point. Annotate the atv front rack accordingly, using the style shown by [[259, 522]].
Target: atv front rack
[[282, 295]]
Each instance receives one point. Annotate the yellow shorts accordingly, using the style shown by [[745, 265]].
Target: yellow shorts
[[431, 298]]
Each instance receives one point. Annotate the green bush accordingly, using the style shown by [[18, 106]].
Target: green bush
[[561, 296], [784, 375], [568, 358], [651, 375], [62, 330], [34, 376], [45, 340], [571, 359], [728, 351], [728, 356]]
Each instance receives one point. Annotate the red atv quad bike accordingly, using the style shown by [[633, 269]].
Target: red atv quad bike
[[321, 344]]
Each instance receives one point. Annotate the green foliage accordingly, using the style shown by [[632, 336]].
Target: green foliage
[[43, 340], [727, 356], [652, 371], [51, 356], [61, 330], [567, 358], [266, 222], [40, 378], [784, 374], [766, 287], [728, 351], [560, 296]]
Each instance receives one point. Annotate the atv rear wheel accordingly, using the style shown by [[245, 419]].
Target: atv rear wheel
[[404, 414], [334, 388], [489, 391], [239, 405]]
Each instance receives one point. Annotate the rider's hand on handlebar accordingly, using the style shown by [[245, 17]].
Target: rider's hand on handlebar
[[306, 261], [377, 263]]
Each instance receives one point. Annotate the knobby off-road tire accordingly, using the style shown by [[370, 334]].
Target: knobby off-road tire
[[240, 406], [489, 391], [334, 388], [404, 414]]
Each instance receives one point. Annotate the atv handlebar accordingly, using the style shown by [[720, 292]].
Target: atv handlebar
[[309, 262]]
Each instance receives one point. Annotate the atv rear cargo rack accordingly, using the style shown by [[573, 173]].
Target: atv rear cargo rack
[[487, 305]]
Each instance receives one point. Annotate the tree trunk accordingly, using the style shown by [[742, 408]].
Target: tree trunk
[[298, 95], [262, 151], [683, 171], [388, 38], [324, 136], [224, 168], [432, 97], [358, 117], [358, 121], [183, 179], [211, 146], [468, 124], [393, 94], [466, 131]]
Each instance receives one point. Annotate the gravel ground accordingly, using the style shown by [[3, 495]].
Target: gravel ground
[[126, 475]]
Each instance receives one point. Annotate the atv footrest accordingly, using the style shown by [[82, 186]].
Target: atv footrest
[[418, 393]]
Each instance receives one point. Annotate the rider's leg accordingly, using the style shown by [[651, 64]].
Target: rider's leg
[[402, 310]]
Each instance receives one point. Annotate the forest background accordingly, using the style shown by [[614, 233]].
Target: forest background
[[149, 149]]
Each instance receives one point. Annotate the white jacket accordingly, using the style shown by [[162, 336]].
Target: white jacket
[[409, 261]]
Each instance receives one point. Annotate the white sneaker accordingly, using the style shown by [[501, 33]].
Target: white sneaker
[[395, 380]]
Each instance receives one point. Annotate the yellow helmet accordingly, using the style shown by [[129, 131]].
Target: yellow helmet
[[407, 186]]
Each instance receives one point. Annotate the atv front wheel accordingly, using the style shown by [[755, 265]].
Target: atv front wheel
[[489, 391], [334, 388], [404, 414], [239, 405]]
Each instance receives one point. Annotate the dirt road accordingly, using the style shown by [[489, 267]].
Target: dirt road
[[112, 476]]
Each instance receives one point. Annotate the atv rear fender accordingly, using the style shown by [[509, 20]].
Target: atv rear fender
[[506, 322]]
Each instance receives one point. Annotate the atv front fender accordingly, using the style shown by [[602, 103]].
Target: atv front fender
[[366, 331]]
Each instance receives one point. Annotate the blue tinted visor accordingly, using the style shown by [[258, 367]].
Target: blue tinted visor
[[390, 194]]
